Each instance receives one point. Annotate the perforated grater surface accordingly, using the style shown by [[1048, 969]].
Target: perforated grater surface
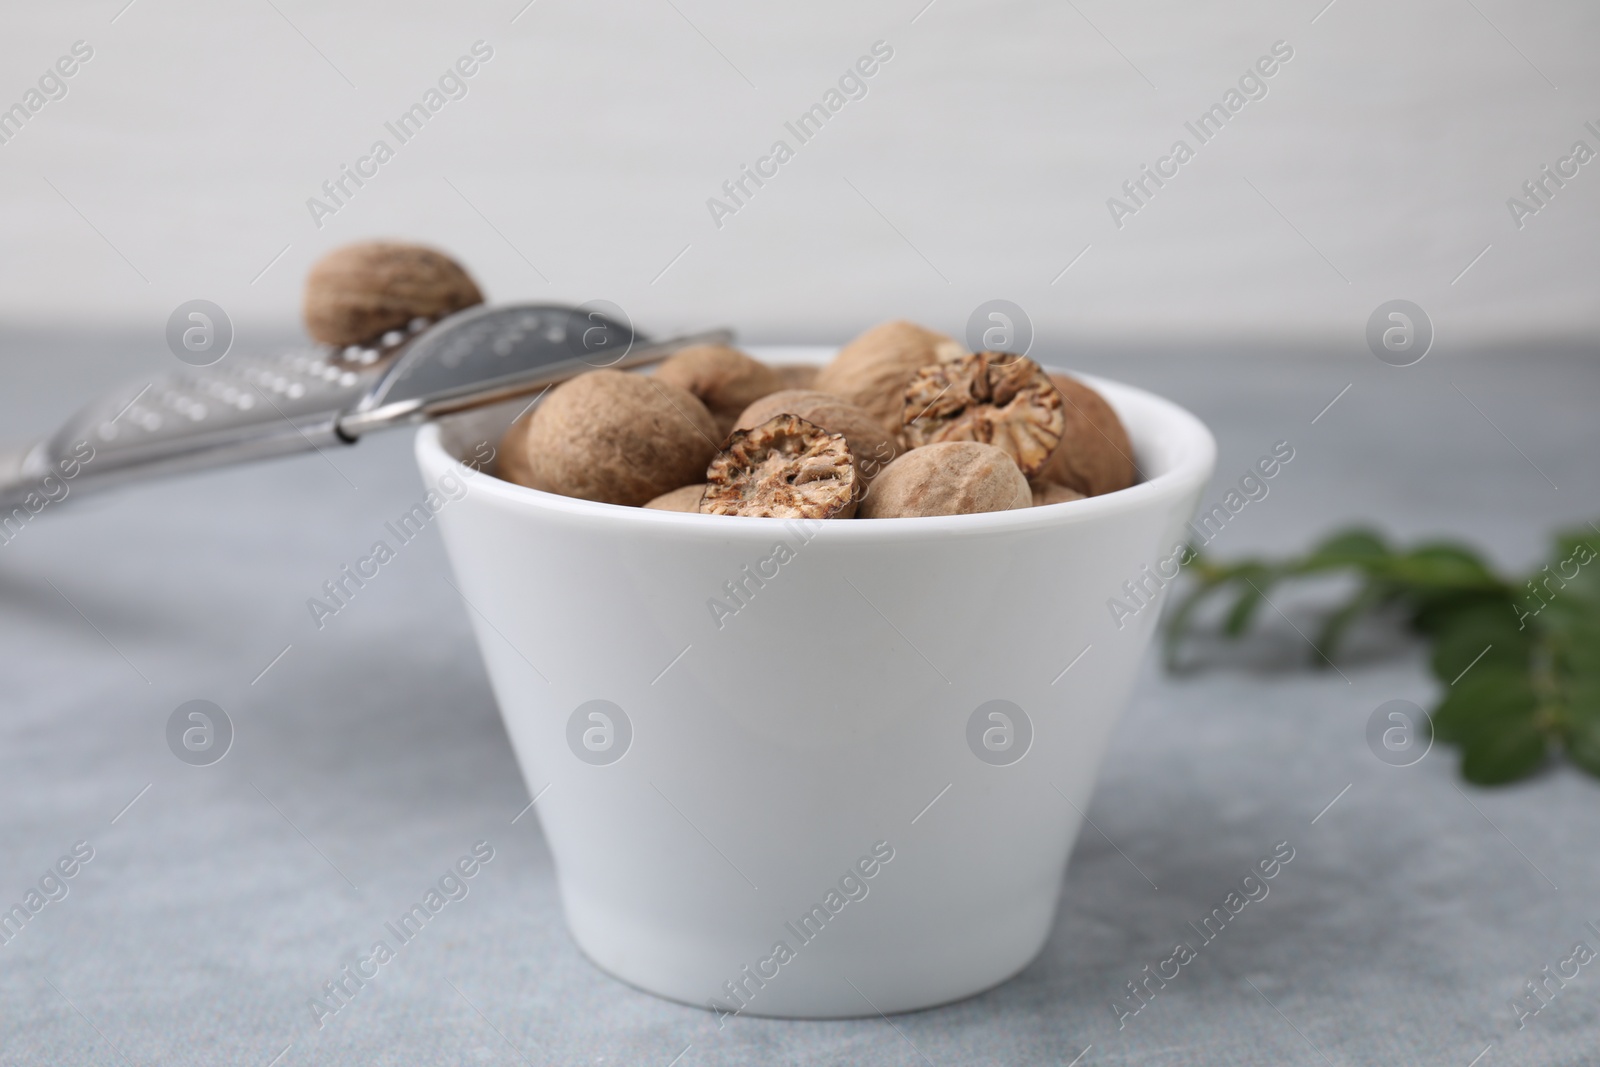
[[246, 408]]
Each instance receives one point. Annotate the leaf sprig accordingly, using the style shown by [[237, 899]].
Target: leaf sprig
[[1519, 661]]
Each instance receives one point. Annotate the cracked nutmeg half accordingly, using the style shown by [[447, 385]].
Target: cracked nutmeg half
[[785, 468], [994, 398], [871, 446]]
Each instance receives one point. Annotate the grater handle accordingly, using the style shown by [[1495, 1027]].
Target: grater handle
[[255, 408]]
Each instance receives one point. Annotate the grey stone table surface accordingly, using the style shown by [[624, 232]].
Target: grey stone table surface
[[369, 756]]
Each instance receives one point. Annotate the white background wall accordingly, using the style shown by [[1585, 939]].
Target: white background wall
[[978, 165]]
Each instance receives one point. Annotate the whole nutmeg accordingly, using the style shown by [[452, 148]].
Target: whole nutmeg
[[785, 468], [1051, 493], [991, 397], [685, 498], [356, 293], [613, 437], [511, 460], [725, 379], [797, 375], [873, 370], [949, 478], [871, 446], [1094, 455]]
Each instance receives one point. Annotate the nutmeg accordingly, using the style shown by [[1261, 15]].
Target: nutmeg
[[684, 498], [873, 370], [613, 437], [725, 379], [357, 292], [993, 397], [1094, 455], [1051, 493], [948, 478], [797, 375], [511, 462], [871, 446], [785, 468]]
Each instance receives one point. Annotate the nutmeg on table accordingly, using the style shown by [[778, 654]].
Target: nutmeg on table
[[902, 423], [358, 292]]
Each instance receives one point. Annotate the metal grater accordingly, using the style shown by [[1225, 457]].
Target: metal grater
[[247, 408]]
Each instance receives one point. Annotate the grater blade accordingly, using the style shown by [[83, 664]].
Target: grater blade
[[256, 407]]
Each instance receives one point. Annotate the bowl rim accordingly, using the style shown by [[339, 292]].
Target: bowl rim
[[1187, 436]]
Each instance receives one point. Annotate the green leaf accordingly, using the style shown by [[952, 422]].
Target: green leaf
[[1579, 655], [1513, 749], [1521, 670], [1482, 702], [1480, 636], [1435, 610], [1573, 628], [1347, 548], [1577, 563], [1253, 592], [1583, 728], [1443, 565]]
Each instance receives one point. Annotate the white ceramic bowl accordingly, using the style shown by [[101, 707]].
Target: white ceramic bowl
[[707, 778]]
